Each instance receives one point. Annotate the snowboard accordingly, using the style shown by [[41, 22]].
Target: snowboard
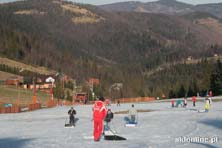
[[68, 125], [113, 137], [110, 135], [202, 111], [131, 124]]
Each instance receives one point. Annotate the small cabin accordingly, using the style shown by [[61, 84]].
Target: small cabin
[[13, 81], [80, 97]]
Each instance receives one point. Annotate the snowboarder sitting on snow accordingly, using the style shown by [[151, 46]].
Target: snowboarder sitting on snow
[[71, 113], [132, 114], [109, 117]]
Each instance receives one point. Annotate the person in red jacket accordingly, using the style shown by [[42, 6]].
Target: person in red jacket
[[172, 102], [99, 114], [210, 93], [194, 99]]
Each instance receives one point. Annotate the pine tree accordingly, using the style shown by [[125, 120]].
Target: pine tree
[[216, 79], [68, 96], [181, 92], [190, 92], [195, 88], [172, 94]]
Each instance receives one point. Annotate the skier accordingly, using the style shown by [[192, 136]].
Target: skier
[[118, 103], [99, 114], [210, 93], [71, 113], [194, 99], [132, 114], [207, 104], [172, 102], [185, 102], [109, 117]]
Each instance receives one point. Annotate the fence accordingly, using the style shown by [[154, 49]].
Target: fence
[[34, 106], [138, 99], [13, 109], [53, 103]]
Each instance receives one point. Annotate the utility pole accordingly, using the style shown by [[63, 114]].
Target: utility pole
[[51, 80], [93, 94], [18, 89]]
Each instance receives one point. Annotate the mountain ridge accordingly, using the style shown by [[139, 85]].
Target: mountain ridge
[[164, 6]]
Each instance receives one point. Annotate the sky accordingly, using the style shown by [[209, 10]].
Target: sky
[[100, 2]]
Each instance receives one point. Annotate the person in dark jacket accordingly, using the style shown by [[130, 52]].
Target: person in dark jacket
[[108, 119], [71, 113]]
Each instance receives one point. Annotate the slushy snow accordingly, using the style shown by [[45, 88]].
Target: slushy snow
[[158, 129]]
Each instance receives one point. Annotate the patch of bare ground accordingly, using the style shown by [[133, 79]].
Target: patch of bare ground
[[86, 16], [29, 12]]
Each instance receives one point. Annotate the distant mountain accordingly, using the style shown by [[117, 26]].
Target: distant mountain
[[165, 7], [162, 6], [214, 9], [85, 41], [122, 6]]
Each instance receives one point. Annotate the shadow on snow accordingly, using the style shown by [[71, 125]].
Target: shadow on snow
[[13, 142], [206, 145], [217, 123]]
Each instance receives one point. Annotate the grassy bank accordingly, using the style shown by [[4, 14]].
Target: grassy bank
[[12, 94]]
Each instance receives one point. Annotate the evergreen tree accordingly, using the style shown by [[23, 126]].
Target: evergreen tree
[[181, 92], [216, 79], [195, 88], [58, 91], [68, 96], [172, 94], [190, 92]]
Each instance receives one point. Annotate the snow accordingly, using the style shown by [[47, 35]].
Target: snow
[[158, 129]]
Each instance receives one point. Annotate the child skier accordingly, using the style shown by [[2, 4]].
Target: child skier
[[194, 99], [172, 103], [208, 102], [109, 117], [185, 102]]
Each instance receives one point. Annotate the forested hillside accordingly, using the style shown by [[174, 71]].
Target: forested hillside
[[116, 47]]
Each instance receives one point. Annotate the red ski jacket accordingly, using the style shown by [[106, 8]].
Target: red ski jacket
[[99, 111], [194, 98]]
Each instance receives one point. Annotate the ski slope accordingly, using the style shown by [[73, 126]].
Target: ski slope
[[158, 129]]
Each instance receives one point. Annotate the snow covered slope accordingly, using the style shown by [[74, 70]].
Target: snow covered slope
[[157, 129]]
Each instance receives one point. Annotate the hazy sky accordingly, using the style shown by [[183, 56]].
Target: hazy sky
[[99, 2]]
